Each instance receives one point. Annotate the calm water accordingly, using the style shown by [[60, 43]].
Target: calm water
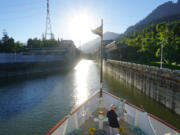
[[33, 106]]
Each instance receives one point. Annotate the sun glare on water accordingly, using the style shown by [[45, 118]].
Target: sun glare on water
[[81, 78], [80, 26]]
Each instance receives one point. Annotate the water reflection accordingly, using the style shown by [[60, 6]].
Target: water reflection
[[34, 106], [81, 80]]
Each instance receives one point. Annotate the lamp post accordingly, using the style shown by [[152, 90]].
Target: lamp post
[[15, 53], [161, 54]]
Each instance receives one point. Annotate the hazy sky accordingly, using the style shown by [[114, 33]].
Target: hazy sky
[[25, 19]]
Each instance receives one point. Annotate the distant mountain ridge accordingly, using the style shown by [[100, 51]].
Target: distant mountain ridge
[[93, 44], [168, 11], [161, 13]]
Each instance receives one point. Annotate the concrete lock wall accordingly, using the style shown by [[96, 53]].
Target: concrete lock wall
[[163, 85]]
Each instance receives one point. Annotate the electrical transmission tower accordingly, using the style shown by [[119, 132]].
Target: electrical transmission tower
[[48, 30]]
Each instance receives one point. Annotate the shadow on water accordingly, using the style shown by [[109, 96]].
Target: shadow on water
[[123, 90], [33, 105], [18, 94], [22, 78]]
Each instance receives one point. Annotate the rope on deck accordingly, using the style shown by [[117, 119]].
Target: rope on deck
[[135, 129]]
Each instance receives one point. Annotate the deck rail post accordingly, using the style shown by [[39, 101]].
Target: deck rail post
[[136, 118], [76, 121]]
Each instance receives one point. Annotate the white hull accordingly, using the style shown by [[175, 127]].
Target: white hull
[[135, 116]]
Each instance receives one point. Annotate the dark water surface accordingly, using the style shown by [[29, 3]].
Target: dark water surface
[[33, 106]]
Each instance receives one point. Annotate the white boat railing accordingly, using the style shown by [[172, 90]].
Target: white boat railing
[[161, 127], [133, 115], [80, 114]]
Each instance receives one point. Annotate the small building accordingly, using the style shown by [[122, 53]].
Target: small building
[[67, 42], [113, 50], [106, 42]]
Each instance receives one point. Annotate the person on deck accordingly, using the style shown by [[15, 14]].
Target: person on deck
[[113, 122]]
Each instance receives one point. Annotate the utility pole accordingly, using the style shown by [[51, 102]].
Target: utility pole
[[48, 29], [161, 54]]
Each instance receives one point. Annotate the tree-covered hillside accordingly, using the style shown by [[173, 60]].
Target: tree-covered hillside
[[145, 45]]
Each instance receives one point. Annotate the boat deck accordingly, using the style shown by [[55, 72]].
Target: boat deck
[[90, 123]]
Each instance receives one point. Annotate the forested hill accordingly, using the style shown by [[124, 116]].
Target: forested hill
[[168, 11], [145, 46]]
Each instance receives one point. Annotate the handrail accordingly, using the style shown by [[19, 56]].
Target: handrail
[[78, 107], [134, 106], [71, 113], [122, 100], [105, 92], [151, 115], [164, 122], [57, 125], [112, 95]]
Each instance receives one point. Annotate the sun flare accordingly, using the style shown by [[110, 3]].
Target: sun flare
[[80, 26]]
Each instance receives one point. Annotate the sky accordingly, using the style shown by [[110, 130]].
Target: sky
[[71, 19]]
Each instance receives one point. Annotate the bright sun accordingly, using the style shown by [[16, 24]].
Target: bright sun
[[80, 26]]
